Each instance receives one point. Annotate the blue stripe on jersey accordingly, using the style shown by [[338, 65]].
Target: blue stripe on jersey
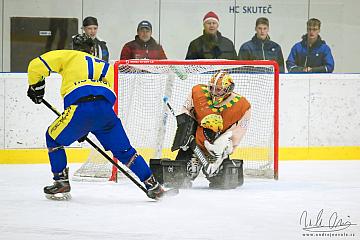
[[47, 65], [88, 90], [90, 67], [105, 68]]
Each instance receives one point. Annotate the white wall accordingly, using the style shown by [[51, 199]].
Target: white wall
[[24, 122], [177, 22], [315, 110], [1, 34], [2, 111], [319, 110], [35, 8]]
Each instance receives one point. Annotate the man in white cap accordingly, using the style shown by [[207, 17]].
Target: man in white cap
[[211, 45]]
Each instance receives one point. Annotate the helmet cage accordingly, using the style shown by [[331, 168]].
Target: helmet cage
[[220, 86]]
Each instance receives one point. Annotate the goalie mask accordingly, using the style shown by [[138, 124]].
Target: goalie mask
[[83, 43], [221, 86]]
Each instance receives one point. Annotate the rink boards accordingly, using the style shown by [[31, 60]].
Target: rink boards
[[318, 118]]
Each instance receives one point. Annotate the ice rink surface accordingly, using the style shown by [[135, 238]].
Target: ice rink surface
[[327, 191]]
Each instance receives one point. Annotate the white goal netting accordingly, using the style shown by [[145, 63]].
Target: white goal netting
[[141, 86]]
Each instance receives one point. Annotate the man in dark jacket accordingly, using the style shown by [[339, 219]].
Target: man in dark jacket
[[144, 46], [211, 45], [90, 27], [260, 47], [312, 54]]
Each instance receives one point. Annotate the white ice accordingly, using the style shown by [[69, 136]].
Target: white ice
[[260, 209]]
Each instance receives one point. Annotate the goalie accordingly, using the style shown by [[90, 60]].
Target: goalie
[[221, 119]]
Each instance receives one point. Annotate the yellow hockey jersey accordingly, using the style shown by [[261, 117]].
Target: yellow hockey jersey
[[82, 74]]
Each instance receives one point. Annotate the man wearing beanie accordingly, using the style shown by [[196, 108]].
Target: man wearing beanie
[[143, 46], [211, 45], [90, 27]]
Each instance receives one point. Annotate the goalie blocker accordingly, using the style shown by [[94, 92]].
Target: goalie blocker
[[174, 173]]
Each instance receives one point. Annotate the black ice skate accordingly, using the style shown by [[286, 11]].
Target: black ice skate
[[60, 190], [156, 191]]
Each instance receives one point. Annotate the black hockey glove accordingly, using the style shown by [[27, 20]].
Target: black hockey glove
[[36, 92], [321, 69], [210, 135], [82, 139]]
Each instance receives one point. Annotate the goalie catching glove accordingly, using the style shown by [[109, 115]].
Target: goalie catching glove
[[36, 92], [214, 122], [220, 150]]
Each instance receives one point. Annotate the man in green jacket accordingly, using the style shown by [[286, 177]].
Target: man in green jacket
[[211, 45]]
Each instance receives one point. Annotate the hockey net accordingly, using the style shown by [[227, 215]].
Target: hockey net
[[141, 86]]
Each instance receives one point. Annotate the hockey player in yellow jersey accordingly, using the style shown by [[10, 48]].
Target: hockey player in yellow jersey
[[87, 84], [82, 74]]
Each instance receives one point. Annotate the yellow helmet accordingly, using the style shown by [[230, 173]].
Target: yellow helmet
[[220, 86]]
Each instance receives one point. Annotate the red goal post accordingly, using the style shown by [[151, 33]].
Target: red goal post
[[141, 84]]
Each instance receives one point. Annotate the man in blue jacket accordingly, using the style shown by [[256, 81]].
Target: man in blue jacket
[[260, 47], [312, 54]]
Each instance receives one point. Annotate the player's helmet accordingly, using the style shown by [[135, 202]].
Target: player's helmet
[[82, 42], [220, 86]]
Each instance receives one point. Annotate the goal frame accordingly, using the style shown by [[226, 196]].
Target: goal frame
[[209, 62]]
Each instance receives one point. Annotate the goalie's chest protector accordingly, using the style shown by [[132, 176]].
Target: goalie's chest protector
[[231, 112]]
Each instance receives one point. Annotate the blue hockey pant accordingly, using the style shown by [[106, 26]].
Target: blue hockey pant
[[99, 118]]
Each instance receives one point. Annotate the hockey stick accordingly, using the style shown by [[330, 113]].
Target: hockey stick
[[166, 101], [102, 152], [196, 149], [180, 72]]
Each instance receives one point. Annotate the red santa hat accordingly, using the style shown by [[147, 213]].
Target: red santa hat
[[211, 16]]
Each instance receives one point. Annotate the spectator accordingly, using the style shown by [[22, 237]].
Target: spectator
[[144, 46], [211, 45], [90, 27], [260, 47], [312, 54]]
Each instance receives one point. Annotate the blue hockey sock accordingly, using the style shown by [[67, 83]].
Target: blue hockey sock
[[57, 155], [140, 168], [58, 161], [135, 162]]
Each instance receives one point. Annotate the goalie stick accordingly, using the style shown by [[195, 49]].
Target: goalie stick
[[167, 192], [180, 72]]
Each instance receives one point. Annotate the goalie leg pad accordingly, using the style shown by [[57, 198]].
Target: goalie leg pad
[[170, 173], [186, 127], [193, 164], [230, 175], [193, 167], [240, 171]]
